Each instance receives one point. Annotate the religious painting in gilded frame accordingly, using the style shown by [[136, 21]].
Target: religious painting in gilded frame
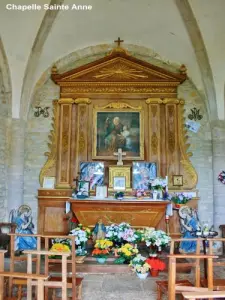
[[142, 173], [92, 172], [114, 129]]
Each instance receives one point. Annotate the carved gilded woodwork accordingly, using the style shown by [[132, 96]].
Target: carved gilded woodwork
[[49, 168], [63, 175], [190, 176], [82, 101], [123, 171]]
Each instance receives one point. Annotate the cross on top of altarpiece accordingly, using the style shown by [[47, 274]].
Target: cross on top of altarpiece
[[119, 41]]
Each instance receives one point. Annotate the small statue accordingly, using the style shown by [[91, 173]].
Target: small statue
[[99, 231]]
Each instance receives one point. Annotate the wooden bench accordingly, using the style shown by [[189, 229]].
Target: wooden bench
[[203, 295]]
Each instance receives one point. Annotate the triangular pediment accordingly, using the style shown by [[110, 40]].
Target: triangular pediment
[[119, 67]]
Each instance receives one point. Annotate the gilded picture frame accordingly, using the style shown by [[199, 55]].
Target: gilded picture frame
[[118, 125]]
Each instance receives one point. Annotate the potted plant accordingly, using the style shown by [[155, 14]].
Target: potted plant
[[119, 195], [126, 253], [140, 267], [157, 186], [155, 265], [140, 193], [82, 234], [102, 250], [179, 199], [155, 240]]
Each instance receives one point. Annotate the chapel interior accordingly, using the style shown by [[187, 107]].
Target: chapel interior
[[117, 86]]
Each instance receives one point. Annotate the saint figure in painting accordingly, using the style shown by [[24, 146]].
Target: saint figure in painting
[[189, 225], [114, 138]]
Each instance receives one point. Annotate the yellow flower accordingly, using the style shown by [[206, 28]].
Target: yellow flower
[[57, 247]]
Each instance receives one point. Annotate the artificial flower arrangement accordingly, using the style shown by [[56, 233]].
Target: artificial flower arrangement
[[140, 193], [179, 199], [156, 240], [59, 247], [221, 177], [121, 233], [126, 253], [82, 234], [156, 264], [139, 264], [102, 248], [119, 195], [157, 184]]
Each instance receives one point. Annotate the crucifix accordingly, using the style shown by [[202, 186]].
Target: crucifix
[[120, 154], [118, 41]]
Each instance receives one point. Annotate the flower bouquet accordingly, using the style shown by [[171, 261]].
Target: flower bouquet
[[140, 193], [155, 265], [126, 253], [179, 199], [102, 250], [82, 234], [60, 245], [156, 240], [119, 195], [157, 185], [120, 233], [140, 266]]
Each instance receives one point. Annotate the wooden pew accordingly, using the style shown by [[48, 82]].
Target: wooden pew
[[73, 282], [203, 295], [172, 272], [59, 284]]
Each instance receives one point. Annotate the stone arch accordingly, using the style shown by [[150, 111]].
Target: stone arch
[[35, 54], [195, 35]]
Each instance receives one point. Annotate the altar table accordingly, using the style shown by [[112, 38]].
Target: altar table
[[138, 213]]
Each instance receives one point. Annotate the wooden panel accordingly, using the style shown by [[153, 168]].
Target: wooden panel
[[52, 217], [63, 178], [154, 135], [136, 213]]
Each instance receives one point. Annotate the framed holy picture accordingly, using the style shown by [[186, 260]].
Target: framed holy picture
[[142, 173], [115, 129], [49, 183], [83, 188], [101, 191], [92, 172], [119, 183]]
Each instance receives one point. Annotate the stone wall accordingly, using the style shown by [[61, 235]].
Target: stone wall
[[38, 128], [4, 150]]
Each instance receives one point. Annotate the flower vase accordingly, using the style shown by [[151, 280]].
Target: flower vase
[[155, 194], [160, 195], [154, 273], [101, 260], [81, 251], [142, 276]]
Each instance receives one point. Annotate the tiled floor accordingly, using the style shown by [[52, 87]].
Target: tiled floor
[[124, 286]]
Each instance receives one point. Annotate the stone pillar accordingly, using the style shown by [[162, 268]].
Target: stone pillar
[[16, 164], [218, 143]]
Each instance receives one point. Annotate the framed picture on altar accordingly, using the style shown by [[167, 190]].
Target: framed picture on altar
[[142, 173], [92, 172], [115, 129], [49, 183], [119, 183], [83, 188]]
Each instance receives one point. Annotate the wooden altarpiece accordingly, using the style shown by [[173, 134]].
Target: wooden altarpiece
[[117, 82]]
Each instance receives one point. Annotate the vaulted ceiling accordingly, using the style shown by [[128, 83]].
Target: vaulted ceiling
[[189, 32]]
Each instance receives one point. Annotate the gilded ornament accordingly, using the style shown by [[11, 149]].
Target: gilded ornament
[[154, 110], [50, 165], [118, 105], [120, 71], [66, 101], [154, 143], [81, 142], [82, 101]]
